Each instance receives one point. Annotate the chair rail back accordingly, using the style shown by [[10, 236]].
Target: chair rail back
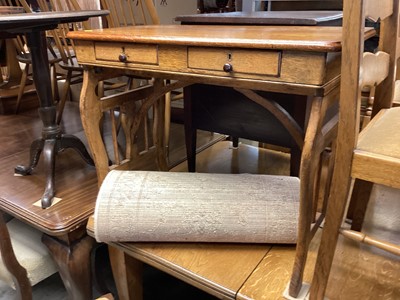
[[130, 12]]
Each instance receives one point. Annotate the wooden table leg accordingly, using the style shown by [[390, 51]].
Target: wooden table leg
[[18, 273], [72, 257], [127, 272], [315, 142], [52, 140]]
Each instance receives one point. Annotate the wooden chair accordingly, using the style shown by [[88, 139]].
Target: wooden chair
[[373, 156], [66, 49], [134, 13], [10, 69], [130, 13], [23, 56]]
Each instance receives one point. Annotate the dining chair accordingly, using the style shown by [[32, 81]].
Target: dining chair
[[24, 58], [373, 155], [130, 13], [66, 49], [136, 13], [10, 72]]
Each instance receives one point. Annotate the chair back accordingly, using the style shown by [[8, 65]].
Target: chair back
[[130, 12], [367, 164], [65, 46], [361, 70], [19, 41]]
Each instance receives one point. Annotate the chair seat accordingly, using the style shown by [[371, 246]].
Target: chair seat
[[27, 58], [71, 65], [378, 150]]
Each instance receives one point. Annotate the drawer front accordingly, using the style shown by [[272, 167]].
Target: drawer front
[[139, 53], [242, 61]]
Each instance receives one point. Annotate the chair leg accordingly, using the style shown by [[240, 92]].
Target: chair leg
[[54, 86], [64, 97], [235, 141], [359, 202], [330, 234], [167, 125], [295, 158], [22, 84]]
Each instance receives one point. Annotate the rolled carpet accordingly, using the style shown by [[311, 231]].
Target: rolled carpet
[[148, 206]]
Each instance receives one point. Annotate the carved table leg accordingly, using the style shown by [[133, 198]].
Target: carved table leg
[[73, 260], [52, 141], [36, 150]]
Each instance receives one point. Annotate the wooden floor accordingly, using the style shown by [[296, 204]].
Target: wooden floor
[[358, 271]]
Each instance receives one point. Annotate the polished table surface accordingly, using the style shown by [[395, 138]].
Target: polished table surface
[[26, 22], [303, 57], [258, 37], [298, 60]]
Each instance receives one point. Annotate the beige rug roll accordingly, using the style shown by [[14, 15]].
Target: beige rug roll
[[143, 206]]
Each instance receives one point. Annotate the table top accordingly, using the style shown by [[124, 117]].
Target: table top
[[25, 22], [76, 181], [300, 38], [265, 18]]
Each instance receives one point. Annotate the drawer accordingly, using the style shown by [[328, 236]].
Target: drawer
[[139, 53], [260, 62]]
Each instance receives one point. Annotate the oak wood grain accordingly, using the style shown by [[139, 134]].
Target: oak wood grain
[[357, 70], [219, 269], [299, 38]]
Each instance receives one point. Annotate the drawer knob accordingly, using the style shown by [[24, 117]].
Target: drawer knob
[[122, 57], [228, 68]]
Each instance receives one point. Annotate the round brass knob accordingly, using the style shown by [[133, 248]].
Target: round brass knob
[[122, 57], [228, 68]]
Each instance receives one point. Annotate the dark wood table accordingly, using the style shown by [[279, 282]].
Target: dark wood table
[[52, 141], [310, 18], [63, 224]]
